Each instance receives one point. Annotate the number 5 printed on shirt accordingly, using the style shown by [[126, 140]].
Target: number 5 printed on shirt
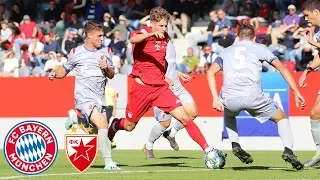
[[240, 59]]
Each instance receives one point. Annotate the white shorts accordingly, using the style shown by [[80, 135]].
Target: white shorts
[[86, 109], [260, 107], [184, 97]]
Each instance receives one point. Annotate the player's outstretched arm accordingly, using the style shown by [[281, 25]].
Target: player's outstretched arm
[[137, 38], [59, 72], [288, 77], [211, 73], [213, 70], [314, 65]]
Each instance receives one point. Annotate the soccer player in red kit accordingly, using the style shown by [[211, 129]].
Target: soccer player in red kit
[[151, 87]]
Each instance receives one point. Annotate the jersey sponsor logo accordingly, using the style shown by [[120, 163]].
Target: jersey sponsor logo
[[90, 106], [30, 147], [129, 114], [81, 150], [157, 45]]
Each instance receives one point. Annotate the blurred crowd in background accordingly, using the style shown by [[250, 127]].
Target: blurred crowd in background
[[37, 35]]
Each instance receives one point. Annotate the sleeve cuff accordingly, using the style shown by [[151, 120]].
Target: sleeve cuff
[[66, 69], [272, 59]]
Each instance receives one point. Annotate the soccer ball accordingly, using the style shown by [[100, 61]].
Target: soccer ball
[[215, 159]]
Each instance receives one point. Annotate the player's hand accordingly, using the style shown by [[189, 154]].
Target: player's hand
[[217, 105], [302, 79], [185, 77], [300, 101], [309, 34], [103, 64], [159, 35], [52, 75]]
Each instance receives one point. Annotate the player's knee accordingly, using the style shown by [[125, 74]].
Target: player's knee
[[130, 126], [315, 114], [185, 119], [165, 124], [193, 113]]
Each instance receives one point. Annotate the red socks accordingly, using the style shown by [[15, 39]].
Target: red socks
[[195, 133], [115, 126]]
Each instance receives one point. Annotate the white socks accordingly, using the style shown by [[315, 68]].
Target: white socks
[[177, 126], [315, 131], [285, 133], [105, 145], [155, 134]]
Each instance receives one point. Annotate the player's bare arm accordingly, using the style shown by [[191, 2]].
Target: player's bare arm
[[212, 71], [108, 71], [288, 77], [141, 37], [183, 76], [59, 72], [314, 65]]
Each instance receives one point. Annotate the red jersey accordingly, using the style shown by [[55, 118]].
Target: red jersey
[[150, 64]]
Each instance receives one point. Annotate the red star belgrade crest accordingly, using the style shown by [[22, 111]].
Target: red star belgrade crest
[[81, 150]]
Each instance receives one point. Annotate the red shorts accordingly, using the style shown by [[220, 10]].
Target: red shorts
[[142, 97]]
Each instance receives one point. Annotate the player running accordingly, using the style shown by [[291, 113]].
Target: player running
[[242, 90], [150, 87], [311, 10], [92, 65], [164, 119]]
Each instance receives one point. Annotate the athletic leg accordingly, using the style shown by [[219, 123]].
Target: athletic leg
[[263, 108], [191, 109], [232, 108], [100, 120], [168, 102], [137, 106], [163, 122], [315, 131]]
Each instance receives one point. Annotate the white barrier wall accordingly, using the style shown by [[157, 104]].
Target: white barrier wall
[[211, 127]]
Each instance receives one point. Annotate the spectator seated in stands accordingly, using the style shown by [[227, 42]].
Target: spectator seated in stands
[[122, 27], [76, 24], [118, 46], [62, 25], [53, 61], [108, 25], [202, 36], [49, 45], [116, 62], [190, 62], [207, 59], [72, 41], [217, 32], [34, 51], [51, 17], [181, 16], [138, 12], [5, 35], [94, 11], [10, 65], [227, 39], [28, 30]]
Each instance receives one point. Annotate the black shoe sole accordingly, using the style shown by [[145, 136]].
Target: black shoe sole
[[295, 163], [247, 159]]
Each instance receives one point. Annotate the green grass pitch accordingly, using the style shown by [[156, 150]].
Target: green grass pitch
[[173, 165]]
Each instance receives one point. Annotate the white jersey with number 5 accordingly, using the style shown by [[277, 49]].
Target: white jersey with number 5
[[242, 68]]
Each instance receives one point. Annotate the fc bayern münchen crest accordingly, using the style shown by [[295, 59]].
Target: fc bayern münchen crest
[[81, 150], [30, 147]]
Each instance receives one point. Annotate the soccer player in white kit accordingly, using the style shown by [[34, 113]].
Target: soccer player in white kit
[[311, 10], [92, 65], [242, 90]]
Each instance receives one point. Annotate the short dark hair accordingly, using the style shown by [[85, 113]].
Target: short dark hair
[[311, 5], [246, 31], [158, 13], [92, 25]]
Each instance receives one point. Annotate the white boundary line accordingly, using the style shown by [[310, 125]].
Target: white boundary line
[[105, 172]]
